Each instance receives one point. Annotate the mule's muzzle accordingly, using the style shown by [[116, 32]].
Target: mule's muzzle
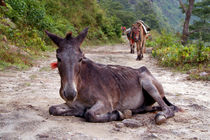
[[70, 94]]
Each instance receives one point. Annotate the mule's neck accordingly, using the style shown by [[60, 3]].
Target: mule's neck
[[86, 70]]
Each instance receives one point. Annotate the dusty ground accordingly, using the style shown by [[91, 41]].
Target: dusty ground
[[26, 96]]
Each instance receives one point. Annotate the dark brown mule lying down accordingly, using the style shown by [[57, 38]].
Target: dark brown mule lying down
[[100, 93]]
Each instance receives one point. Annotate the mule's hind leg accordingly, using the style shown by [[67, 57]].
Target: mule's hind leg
[[138, 49], [151, 89], [132, 48], [175, 108], [102, 113], [65, 110], [145, 109]]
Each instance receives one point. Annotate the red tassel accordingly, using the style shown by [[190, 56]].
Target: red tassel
[[54, 65]]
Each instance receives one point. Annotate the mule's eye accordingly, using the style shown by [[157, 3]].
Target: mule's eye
[[59, 60]]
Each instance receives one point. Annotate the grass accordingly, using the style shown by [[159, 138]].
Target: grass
[[192, 59]]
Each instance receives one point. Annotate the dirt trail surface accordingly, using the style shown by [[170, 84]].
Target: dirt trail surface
[[25, 97]]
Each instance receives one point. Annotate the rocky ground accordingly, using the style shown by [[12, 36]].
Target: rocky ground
[[25, 97]]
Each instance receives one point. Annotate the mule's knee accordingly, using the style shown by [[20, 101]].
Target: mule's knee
[[113, 116], [90, 117]]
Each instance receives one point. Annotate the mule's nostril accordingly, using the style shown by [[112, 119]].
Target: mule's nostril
[[70, 94]]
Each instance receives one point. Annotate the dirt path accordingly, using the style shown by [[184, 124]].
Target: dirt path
[[26, 96]]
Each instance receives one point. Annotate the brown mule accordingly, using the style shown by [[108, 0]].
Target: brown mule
[[140, 35]]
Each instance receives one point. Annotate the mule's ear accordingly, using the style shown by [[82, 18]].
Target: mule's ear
[[80, 38], [56, 39]]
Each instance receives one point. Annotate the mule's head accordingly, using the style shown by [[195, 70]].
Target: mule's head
[[69, 57], [135, 32]]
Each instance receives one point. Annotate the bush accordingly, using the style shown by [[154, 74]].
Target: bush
[[23, 23], [169, 51]]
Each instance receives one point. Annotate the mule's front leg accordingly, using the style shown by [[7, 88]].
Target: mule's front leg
[[102, 113], [167, 112], [65, 110], [139, 51]]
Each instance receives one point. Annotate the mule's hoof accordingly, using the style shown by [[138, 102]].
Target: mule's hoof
[[159, 119], [138, 59], [121, 115]]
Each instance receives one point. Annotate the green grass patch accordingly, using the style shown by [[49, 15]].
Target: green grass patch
[[171, 53]]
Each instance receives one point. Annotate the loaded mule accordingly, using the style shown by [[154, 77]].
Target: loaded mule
[[139, 32], [130, 39]]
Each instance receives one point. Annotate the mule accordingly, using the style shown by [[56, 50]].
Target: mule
[[123, 29], [100, 93], [139, 33], [131, 40]]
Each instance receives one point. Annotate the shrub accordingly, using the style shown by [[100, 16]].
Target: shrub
[[169, 51], [23, 23]]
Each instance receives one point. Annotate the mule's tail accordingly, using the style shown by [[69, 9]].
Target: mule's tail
[[175, 108]]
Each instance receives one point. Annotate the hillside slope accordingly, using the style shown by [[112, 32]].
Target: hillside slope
[[159, 14], [23, 22]]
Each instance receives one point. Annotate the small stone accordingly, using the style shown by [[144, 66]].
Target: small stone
[[119, 125], [116, 129], [154, 135], [42, 136], [194, 138], [192, 71], [131, 123], [150, 136], [203, 74], [127, 114]]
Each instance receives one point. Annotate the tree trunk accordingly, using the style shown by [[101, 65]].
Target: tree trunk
[[188, 12], [2, 3]]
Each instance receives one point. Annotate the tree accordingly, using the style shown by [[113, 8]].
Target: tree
[[201, 26], [188, 13], [144, 11], [120, 10]]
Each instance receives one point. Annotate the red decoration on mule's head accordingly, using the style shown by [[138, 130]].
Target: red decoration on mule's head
[[54, 65]]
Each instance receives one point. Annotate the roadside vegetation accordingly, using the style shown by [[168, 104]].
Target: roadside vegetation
[[23, 22], [193, 57]]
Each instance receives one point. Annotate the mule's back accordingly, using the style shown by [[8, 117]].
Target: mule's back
[[118, 84]]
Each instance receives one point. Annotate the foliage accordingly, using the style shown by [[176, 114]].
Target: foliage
[[201, 26], [146, 13], [22, 23], [157, 14], [169, 14], [171, 53], [120, 9]]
